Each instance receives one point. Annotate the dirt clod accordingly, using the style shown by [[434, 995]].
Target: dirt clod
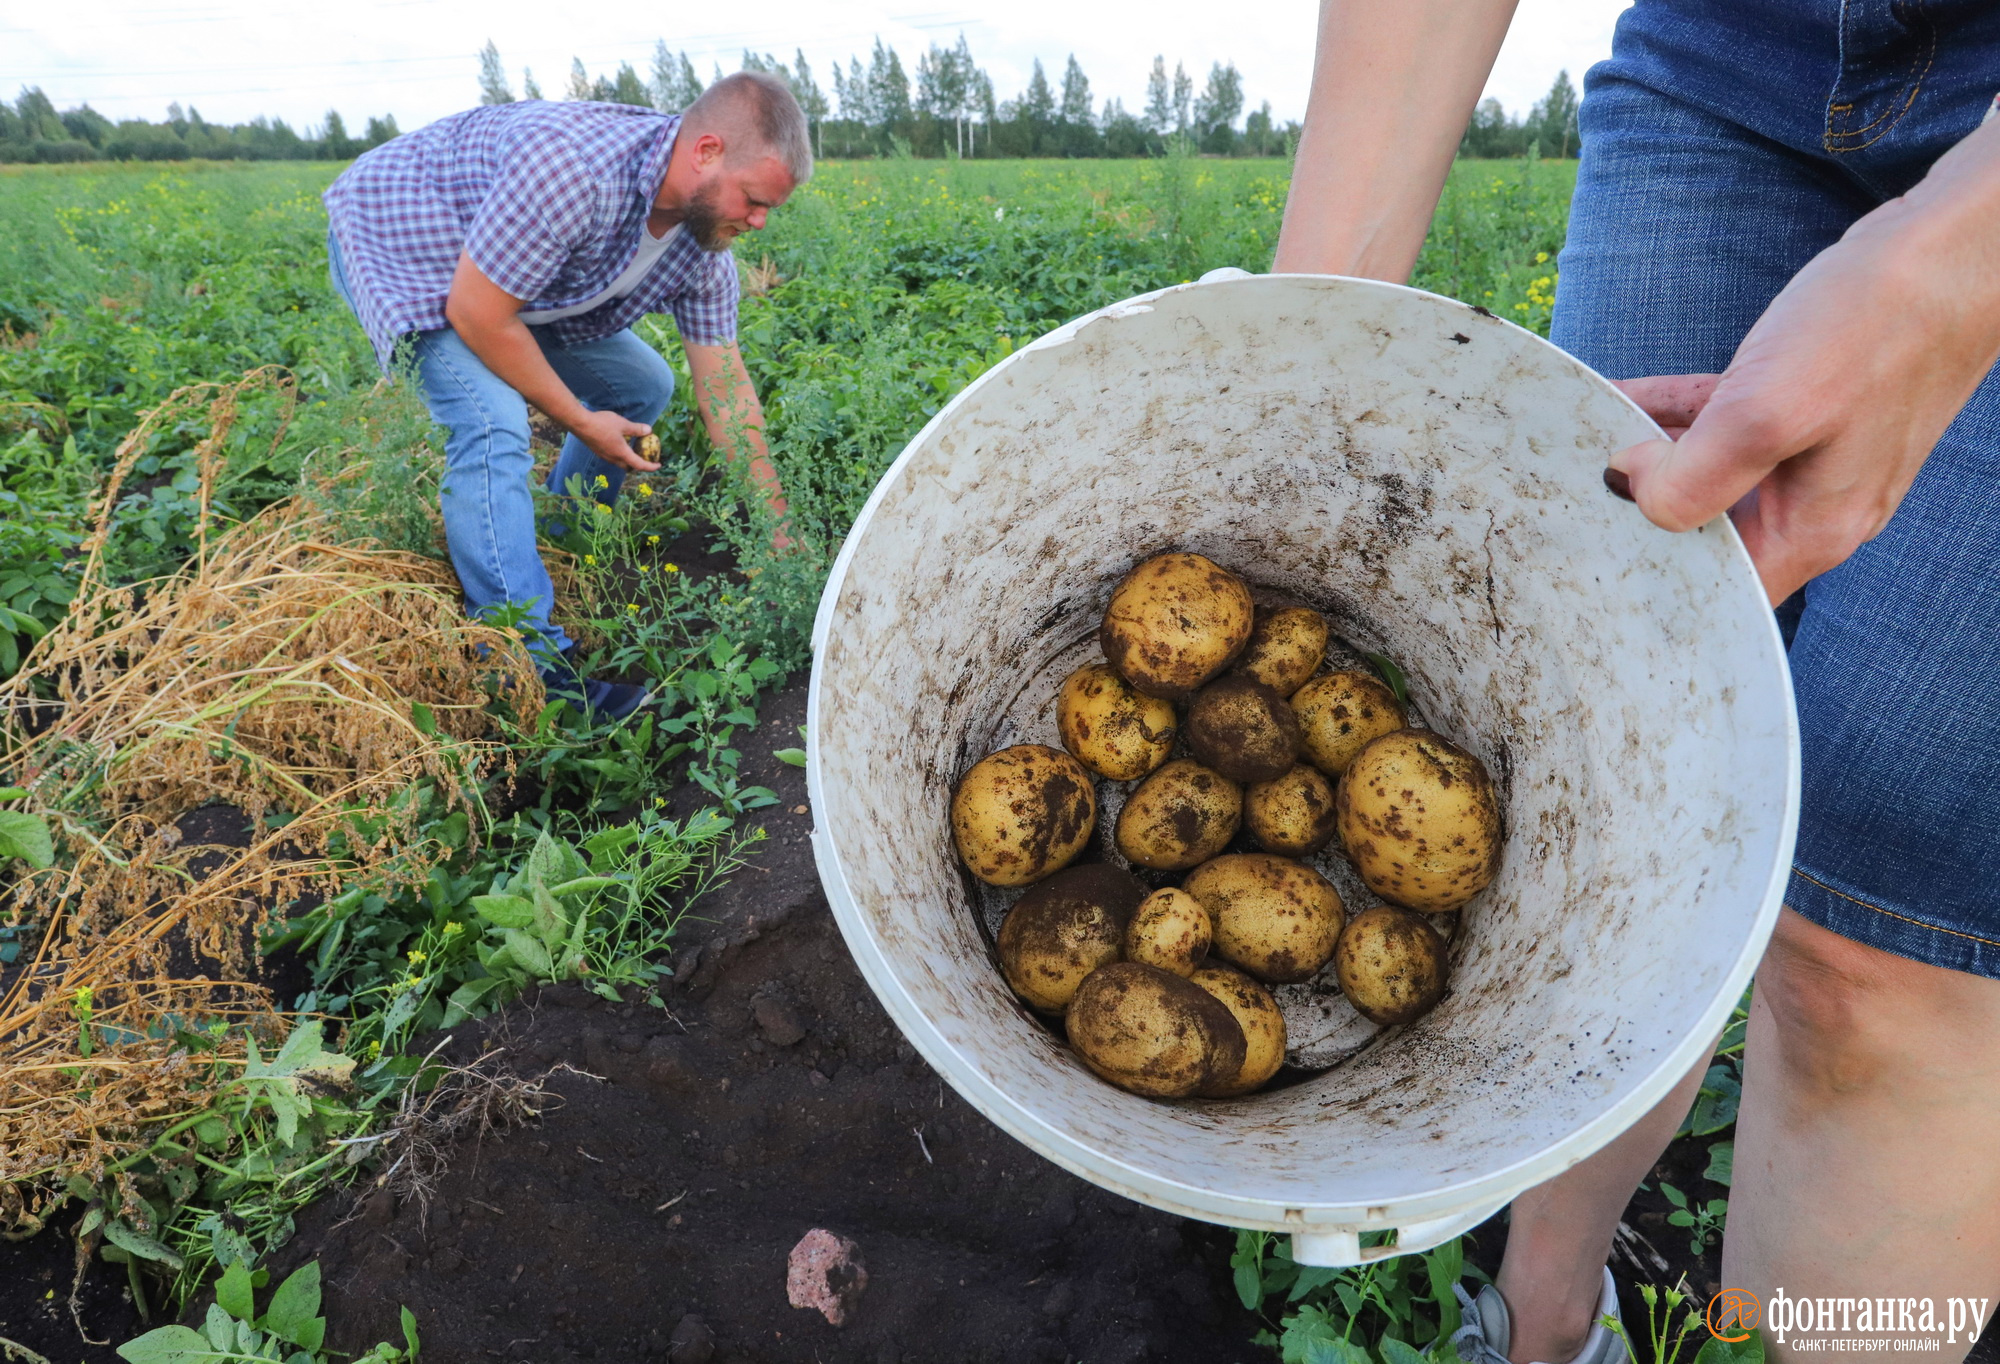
[[692, 1342], [825, 1273]]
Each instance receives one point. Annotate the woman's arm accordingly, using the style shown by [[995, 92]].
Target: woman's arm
[[1815, 432], [1394, 84]]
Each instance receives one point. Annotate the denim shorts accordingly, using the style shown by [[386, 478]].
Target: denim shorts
[[1726, 143]]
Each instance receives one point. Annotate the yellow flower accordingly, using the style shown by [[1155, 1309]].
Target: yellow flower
[[645, 568], [453, 926], [631, 606], [604, 482], [645, 490], [1541, 257], [652, 539], [603, 510], [670, 568], [591, 559], [416, 957], [375, 1050]]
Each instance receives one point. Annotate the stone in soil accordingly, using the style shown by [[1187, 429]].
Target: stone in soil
[[825, 1273]]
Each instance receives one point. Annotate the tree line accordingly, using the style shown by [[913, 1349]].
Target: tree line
[[947, 105], [875, 108], [32, 130]]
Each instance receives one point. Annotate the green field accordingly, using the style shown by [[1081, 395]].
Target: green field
[[880, 291]]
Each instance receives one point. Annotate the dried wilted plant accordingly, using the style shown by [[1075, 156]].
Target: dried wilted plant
[[334, 692]]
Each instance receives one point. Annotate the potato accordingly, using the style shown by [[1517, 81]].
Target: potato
[[1174, 622], [1022, 813], [1275, 918], [1111, 727], [1151, 1032], [1420, 821], [1293, 814], [1169, 930], [1243, 729], [1065, 928], [1179, 817], [1286, 648], [1392, 965], [1342, 711], [1262, 1023]]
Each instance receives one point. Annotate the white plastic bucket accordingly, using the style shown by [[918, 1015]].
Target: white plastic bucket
[[1431, 477]]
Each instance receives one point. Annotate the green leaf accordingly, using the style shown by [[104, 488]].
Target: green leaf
[[135, 1242], [1393, 675], [220, 1328], [12, 792], [1395, 1351], [504, 911], [1721, 1162], [1250, 1286], [410, 1331], [294, 1311], [795, 756], [167, 1345], [1716, 1350], [26, 836], [424, 718], [528, 951], [301, 1068], [1715, 1106], [232, 1292]]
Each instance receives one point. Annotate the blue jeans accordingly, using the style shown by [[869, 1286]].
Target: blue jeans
[[489, 512], [1725, 144]]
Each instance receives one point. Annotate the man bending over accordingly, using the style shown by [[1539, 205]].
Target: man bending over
[[512, 247]]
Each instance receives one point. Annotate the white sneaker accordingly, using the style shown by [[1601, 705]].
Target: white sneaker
[[1489, 1329]]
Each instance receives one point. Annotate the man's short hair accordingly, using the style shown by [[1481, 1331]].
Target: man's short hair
[[759, 107]]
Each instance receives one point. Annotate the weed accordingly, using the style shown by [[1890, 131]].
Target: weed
[[290, 1329], [1399, 1310]]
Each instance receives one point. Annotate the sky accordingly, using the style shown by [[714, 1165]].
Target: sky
[[417, 59]]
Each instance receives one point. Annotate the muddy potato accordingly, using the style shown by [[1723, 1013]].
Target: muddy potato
[[1243, 729], [1179, 817], [1262, 1023], [1022, 813], [1339, 713], [1174, 622], [1063, 929], [1170, 930], [1420, 820], [1111, 727], [1392, 965], [1276, 918], [1149, 1031], [1286, 648], [1293, 814]]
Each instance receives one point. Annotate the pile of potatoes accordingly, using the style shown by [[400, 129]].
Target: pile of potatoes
[[1164, 991]]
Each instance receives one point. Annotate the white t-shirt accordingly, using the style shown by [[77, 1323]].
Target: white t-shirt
[[651, 248]]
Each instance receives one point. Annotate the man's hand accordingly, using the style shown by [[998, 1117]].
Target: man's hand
[[1815, 432], [609, 437]]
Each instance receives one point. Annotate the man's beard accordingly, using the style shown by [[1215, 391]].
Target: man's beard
[[702, 222]]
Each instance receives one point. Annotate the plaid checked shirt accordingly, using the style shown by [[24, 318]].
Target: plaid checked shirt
[[548, 199]]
